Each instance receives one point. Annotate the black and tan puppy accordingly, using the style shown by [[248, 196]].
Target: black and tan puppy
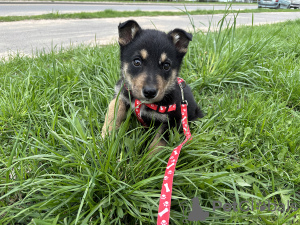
[[150, 62]]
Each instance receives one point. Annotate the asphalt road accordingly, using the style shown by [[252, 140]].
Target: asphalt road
[[26, 37], [37, 9]]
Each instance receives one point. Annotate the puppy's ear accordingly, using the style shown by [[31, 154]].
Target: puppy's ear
[[127, 31], [180, 39]]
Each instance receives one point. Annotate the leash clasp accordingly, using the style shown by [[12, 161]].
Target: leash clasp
[[182, 94], [185, 102]]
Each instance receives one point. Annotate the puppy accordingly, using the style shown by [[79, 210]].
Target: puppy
[[150, 62]]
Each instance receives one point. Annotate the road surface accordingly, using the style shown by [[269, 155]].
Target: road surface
[[28, 36], [37, 9]]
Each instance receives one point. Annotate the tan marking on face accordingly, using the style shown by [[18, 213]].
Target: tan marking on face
[[165, 85], [137, 85], [124, 68], [171, 81], [115, 111], [144, 53], [163, 57], [161, 83], [173, 76], [127, 76]]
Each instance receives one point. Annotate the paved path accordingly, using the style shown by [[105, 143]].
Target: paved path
[[26, 9], [28, 36]]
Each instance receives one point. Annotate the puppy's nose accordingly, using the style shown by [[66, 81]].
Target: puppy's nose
[[149, 92]]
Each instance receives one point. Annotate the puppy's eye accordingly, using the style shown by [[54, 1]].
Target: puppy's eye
[[166, 66], [137, 62]]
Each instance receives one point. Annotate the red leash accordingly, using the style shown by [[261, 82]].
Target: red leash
[[166, 191]]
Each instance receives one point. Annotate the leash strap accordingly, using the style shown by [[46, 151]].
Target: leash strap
[[166, 190]]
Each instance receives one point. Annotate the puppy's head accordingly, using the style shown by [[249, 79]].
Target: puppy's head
[[151, 59]]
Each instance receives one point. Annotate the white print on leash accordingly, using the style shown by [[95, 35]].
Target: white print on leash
[[163, 222], [167, 188], [166, 203], [163, 212], [163, 197], [168, 167]]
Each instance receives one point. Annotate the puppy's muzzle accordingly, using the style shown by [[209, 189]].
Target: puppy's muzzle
[[150, 92]]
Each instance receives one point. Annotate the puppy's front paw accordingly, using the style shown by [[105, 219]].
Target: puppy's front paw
[[156, 146], [103, 132], [158, 142]]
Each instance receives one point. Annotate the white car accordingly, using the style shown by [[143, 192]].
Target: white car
[[274, 4], [295, 4]]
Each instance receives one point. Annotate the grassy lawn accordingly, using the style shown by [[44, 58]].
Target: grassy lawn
[[113, 14], [56, 169]]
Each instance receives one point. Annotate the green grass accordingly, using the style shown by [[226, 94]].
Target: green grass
[[138, 13], [56, 169]]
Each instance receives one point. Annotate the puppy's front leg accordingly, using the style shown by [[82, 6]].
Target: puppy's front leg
[[119, 115]]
